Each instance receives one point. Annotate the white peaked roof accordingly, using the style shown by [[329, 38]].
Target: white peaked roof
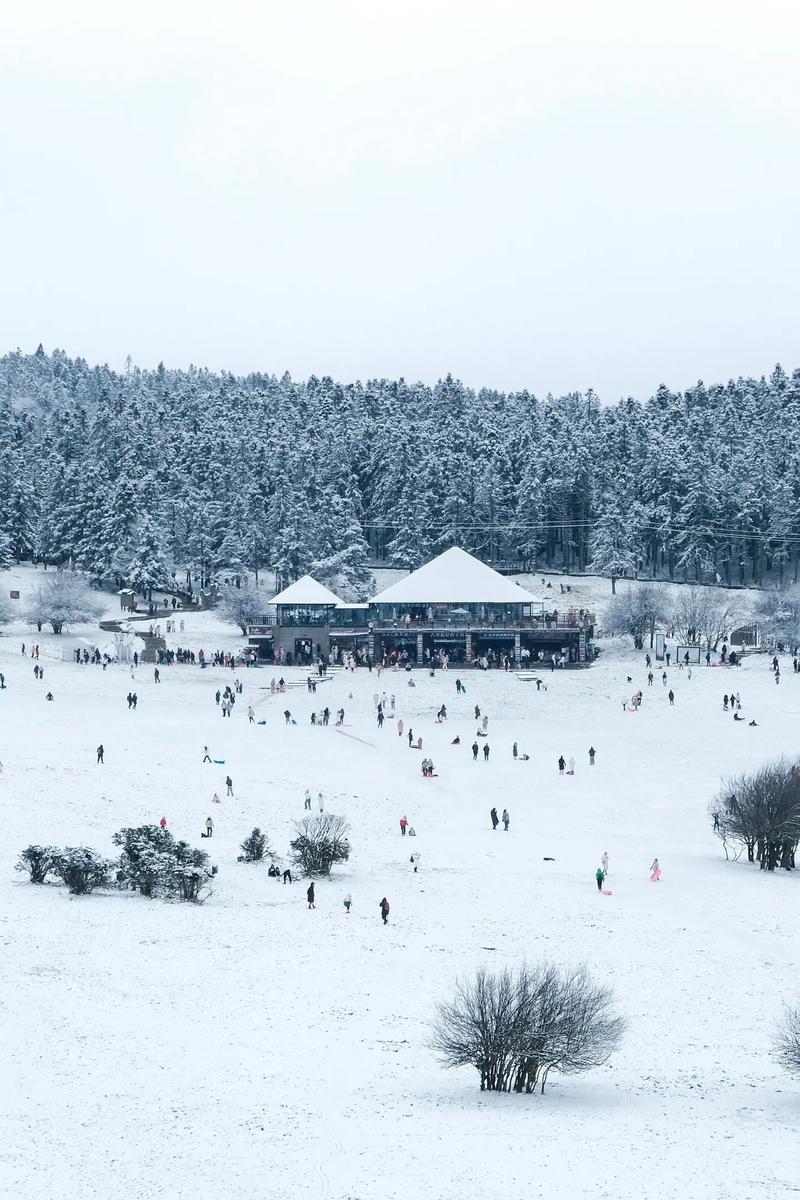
[[305, 591], [455, 577]]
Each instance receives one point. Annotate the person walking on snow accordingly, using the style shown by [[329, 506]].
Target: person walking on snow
[[206, 755], [599, 876], [475, 749], [655, 871], [229, 785], [348, 900], [100, 753], [403, 825], [320, 802], [385, 910], [400, 727], [156, 675], [561, 764], [671, 696], [494, 818], [592, 753], [514, 750], [163, 822], [209, 827], [251, 716], [310, 896], [604, 862], [486, 752], [506, 819], [307, 801]]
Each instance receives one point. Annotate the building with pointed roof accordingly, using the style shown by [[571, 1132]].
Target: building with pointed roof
[[306, 592], [455, 578], [459, 607]]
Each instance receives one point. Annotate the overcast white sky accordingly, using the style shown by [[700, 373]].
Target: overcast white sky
[[545, 195]]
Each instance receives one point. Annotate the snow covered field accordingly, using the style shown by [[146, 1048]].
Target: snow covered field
[[250, 1047]]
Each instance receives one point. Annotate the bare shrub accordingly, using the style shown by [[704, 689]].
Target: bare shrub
[[319, 843], [515, 1027], [38, 861], [787, 1039]]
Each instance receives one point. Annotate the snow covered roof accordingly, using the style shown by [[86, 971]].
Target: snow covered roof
[[346, 604], [305, 591], [455, 577]]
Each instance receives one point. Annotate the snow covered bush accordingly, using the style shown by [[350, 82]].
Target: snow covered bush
[[153, 863], [319, 843], [787, 1039], [243, 606], [515, 1027], [38, 861], [63, 598], [256, 846], [189, 875], [83, 870], [759, 811], [148, 853]]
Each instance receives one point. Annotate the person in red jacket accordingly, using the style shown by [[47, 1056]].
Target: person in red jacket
[[385, 910], [403, 825], [163, 822]]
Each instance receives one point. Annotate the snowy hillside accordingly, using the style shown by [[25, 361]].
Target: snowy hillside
[[252, 1047]]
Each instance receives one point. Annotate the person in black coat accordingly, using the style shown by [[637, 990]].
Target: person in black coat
[[495, 818], [310, 895]]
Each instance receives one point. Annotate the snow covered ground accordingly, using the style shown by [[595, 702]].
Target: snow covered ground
[[250, 1047]]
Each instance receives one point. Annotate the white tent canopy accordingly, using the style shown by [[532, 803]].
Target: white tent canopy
[[306, 591], [455, 577]]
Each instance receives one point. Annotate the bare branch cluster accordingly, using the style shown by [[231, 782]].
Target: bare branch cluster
[[515, 1027]]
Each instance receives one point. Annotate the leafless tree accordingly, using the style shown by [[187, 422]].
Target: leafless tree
[[760, 811], [515, 1027], [63, 598], [638, 611], [703, 614], [243, 606], [320, 842], [787, 1038]]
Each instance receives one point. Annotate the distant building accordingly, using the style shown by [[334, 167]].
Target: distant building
[[454, 605]]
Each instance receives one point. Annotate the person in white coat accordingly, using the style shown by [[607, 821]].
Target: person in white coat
[[604, 862]]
